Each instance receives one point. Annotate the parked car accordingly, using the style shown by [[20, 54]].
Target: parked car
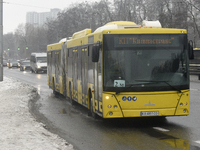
[[25, 65], [12, 63]]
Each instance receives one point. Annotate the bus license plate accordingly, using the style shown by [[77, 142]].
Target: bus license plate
[[149, 113]]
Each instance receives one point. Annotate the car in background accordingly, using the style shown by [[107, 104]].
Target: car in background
[[25, 65], [12, 63], [38, 62], [8, 62], [19, 62], [5, 62]]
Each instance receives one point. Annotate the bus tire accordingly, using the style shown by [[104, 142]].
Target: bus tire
[[72, 102], [54, 90], [93, 114]]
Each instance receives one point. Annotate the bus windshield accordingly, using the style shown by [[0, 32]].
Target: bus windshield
[[145, 68]]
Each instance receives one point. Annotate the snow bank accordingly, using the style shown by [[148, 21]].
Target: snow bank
[[19, 130]]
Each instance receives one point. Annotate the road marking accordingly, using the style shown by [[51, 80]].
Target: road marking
[[161, 129], [194, 89], [197, 142]]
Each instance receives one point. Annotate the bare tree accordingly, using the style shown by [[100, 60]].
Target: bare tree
[[9, 45], [79, 16], [193, 23]]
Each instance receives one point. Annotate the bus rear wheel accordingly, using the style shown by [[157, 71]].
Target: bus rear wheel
[[54, 90], [70, 97]]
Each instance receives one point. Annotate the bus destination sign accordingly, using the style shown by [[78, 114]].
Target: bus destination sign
[[145, 41]]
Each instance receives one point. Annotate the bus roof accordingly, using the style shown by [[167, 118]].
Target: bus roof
[[117, 25], [147, 27]]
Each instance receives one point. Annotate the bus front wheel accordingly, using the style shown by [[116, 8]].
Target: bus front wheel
[[93, 114]]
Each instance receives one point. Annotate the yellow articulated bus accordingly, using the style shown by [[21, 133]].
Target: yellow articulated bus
[[124, 70]]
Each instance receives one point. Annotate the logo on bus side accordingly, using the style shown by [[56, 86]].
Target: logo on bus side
[[129, 98]]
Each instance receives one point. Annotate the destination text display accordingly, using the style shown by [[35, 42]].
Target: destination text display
[[132, 41]]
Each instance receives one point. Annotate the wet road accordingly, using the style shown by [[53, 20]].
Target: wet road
[[85, 133]]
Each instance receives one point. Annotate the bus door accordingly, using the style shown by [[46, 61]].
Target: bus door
[[84, 75], [49, 61], [63, 65], [97, 83], [79, 81], [74, 74], [57, 69]]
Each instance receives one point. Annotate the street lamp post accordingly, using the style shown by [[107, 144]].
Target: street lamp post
[[1, 40]]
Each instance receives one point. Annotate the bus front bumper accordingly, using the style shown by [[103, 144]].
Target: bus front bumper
[[146, 113]]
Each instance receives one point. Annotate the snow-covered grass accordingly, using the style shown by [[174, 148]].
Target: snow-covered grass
[[19, 130]]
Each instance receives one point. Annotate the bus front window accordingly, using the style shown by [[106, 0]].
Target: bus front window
[[145, 69], [116, 65]]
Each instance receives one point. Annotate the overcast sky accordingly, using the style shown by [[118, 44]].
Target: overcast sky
[[14, 11]]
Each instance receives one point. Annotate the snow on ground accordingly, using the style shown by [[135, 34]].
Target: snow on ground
[[19, 130]]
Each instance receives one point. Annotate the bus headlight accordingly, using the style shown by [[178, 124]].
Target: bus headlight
[[38, 66], [109, 106], [184, 110], [107, 97]]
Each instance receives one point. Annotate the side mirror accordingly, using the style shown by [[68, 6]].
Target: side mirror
[[190, 50], [95, 53]]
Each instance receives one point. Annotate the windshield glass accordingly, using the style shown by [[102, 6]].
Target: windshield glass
[[41, 59], [26, 63], [14, 61], [142, 68]]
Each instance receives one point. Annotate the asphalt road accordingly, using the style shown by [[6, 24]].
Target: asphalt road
[[85, 133]]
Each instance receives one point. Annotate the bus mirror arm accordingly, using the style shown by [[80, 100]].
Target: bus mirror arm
[[95, 53], [190, 49]]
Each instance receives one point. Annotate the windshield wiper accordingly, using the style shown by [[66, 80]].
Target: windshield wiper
[[127, 88], [150, 81], [166, 82]]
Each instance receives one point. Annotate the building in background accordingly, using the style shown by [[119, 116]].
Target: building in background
[[39, 19]]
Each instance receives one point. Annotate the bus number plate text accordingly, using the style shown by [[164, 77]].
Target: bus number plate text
[[149, 113]]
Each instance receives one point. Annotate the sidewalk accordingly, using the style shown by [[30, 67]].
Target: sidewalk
[[19, 130], [194, 78]]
